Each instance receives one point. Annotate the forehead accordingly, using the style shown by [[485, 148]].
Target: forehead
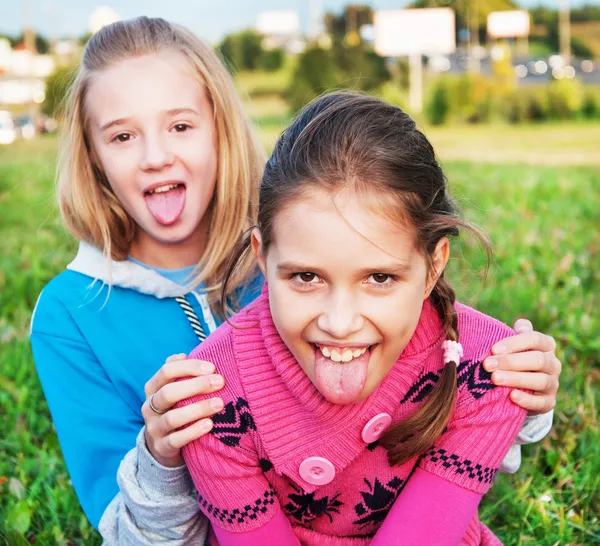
[[346, 227], [145, 85]]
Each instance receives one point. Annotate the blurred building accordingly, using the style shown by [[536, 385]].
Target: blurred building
[[281, 29]]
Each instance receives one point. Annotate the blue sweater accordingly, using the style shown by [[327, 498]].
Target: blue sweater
[[95, 348]]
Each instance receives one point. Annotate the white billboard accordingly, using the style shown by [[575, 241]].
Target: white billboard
[[279, 22], [508, 24], [414, 31]]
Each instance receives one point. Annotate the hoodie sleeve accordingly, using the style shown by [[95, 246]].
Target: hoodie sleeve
[[148, 489]]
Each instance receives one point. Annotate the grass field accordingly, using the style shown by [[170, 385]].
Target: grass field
[[543, 221]]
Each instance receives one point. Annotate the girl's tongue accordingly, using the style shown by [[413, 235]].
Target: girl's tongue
[[166, 206], [341, 382]]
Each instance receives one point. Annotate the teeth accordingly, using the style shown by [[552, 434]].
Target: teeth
[[345, 355], [162, 189]]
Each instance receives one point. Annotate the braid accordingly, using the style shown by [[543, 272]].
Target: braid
[[419, 431]]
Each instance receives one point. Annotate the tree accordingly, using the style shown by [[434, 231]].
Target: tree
[[57, 87], [315, 73], [272, 59], [243, 50], [350, 21]]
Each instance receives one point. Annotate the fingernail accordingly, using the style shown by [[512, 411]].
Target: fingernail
[[515, 396], [207, 424], [499, 349], [217, 381], [175, 357], [490, 363], [499, 377], [207, 367], [216, 404]]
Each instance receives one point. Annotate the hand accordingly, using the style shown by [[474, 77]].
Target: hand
[[164, 433], [527, 361]]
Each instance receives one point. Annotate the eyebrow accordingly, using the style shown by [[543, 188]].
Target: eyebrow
[[397, 268], [171, 112]]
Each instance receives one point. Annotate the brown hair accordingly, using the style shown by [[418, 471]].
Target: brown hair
[[344, 140], [89, 207]]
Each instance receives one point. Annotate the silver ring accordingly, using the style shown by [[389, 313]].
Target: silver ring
[[152, 405]]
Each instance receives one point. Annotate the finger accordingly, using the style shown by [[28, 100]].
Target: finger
[[534, 404], [180, 417], [178, 356], [530, 361], [170, 394], [523, 325], [176, 369], [532, 381], [526, 341], [182, 437]]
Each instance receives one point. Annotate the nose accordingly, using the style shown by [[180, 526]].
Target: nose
[[341, 317], [156, 155]]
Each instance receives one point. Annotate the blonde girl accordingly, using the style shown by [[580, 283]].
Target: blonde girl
[[158, 180]]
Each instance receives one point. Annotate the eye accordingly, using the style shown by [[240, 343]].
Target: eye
[[306, 277], [181, 127], [381, 279], [122, 137]]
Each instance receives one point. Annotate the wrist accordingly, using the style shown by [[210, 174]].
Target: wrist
[[168, 462], [155, 477]]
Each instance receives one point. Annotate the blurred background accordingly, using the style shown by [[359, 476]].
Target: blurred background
[[507, 91]]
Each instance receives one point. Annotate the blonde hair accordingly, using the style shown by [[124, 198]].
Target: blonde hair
[[90, 209]]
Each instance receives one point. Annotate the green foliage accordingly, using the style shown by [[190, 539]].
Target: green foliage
[[590, 108], [272, 59], [565, 98], [348, 67], [57, 86], [353, 17], [437, 107], [543, 224], [315, 73], [475, 98], [243, 50]]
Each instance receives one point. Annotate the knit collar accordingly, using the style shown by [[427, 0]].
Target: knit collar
[[293, 419]]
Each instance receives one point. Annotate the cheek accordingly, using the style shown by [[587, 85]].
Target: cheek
[[120, 169]]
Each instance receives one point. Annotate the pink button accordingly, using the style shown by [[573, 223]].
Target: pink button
[[375, 427], [317, 471]]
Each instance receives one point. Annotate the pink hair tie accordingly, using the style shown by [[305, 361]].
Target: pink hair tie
[[453, 351]]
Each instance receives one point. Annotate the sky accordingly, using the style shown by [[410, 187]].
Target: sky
[[210, 19]]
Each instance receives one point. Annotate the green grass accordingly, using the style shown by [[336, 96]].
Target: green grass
[[543, 221]]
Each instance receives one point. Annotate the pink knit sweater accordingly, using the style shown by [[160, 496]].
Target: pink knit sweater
[[250, 466]]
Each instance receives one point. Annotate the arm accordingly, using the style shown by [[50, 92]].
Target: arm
[[155, 504], [96, 427], [453, 475], [408, 524], [524, 362], [153, 478], [233, 492]]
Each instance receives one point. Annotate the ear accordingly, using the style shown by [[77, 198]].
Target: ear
[[257, 250], [440, 257]]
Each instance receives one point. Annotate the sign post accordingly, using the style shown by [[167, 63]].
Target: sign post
[[414, 33]]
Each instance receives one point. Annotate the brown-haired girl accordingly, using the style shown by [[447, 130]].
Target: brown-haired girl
[[357, 409]]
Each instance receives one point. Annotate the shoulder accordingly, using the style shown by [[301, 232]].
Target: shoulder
[[220, 349], [478, 332], [64, 293]]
